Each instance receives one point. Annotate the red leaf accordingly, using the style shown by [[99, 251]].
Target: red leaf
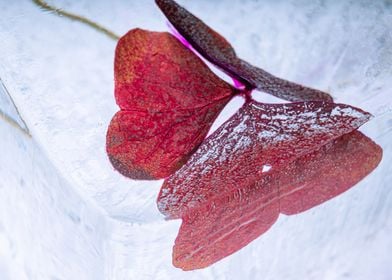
[[267, 159], [168, 99], [218, 51], [229, 224], [258, 137]]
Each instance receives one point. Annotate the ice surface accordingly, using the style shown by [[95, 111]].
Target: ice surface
[[66, 214], [47, 231]]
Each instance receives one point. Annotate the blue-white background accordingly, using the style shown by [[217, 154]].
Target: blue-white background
[[66, 214]]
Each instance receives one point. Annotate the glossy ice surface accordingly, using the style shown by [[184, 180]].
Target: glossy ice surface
[[66, 214]]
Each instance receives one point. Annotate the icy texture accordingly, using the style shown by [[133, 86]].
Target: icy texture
[[46, 229], [60, 75]]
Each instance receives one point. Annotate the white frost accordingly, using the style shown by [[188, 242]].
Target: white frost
[[266, 168]]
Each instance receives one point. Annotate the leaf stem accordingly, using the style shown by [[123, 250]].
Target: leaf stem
[[71, 16], [23, 128]]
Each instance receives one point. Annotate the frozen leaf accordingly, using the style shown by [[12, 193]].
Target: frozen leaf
[[204, 39], [216, 230], [258, 139], [168, 99], [217, 50]]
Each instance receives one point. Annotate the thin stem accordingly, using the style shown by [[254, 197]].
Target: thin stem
[[60, 12], [13, 123], [10, 120]]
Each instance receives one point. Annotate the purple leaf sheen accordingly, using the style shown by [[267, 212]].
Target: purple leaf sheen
[[216, 49]]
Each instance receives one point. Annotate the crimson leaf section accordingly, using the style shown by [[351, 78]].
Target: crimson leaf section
[[265, 160], [168, 99], [257, 140], [230, 223]]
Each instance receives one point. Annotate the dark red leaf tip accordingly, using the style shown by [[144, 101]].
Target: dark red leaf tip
[[212, 46]]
